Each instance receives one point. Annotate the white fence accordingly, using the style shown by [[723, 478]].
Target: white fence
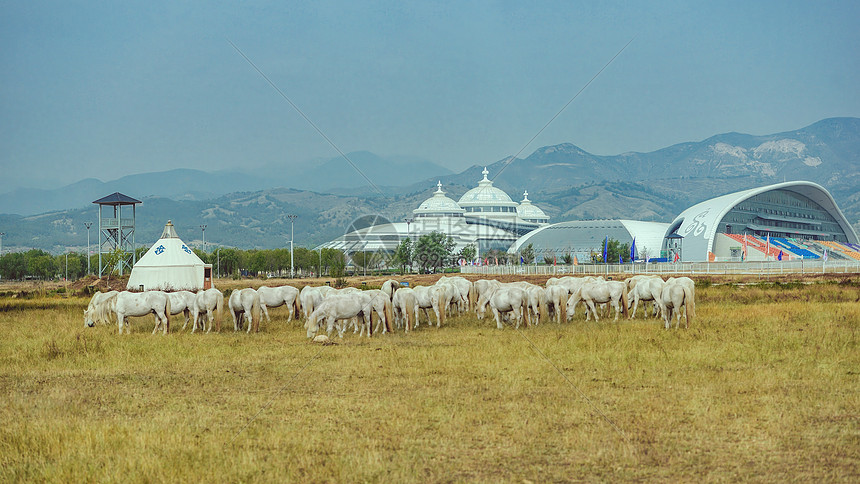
[[716, 268]]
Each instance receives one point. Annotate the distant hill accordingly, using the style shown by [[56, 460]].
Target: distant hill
[[186, 184], [566, 181]]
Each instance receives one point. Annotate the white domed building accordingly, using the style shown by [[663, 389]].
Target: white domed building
[[485, 217]]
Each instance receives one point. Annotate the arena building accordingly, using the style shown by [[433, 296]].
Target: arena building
[[485, 217], [790, 220], [799, 218]]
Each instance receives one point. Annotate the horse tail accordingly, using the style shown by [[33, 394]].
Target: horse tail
[[389, 315], [256, 312], [624, 301], [525, 310], [473, 296], [167, 313], [561, 307], [542, 308], [443, 308], [689, 305], [409, 310], [219, 304], [297, 305]]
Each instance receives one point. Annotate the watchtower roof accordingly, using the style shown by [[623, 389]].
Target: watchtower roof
[[117, 198]]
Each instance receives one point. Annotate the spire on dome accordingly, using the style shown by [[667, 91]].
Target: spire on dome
[[526, 196], [439, 187], [485, 173]]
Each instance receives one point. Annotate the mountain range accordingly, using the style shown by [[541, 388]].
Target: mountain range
[[248, 210]]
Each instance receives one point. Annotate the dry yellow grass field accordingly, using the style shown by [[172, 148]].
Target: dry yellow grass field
[[762, 387]]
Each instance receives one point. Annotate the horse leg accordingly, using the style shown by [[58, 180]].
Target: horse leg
[[265, 312]]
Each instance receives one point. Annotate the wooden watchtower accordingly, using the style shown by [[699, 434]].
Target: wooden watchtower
[[116, 230]]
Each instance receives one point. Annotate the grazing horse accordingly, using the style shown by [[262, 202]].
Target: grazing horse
[[245, 303], [556, 297], [509, 299], [208, 302], [537, 300], [141, 304], [405, 305], [273, 297], [600, 292], [677, 293], [310, 297], [335, 308], [646, 289], [182, 302], [468, 295], [100, 308], [431, 297]]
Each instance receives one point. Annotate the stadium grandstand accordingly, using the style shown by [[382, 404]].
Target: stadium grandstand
[[785, 221]]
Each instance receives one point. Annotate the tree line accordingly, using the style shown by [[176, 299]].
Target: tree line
[[429, 252]]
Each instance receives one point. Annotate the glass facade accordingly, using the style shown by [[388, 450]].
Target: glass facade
[[782, 213]]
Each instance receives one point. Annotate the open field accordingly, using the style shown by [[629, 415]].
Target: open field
[[763, 387]]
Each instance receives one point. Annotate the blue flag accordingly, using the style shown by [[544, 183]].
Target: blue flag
[[620, 259], [633, 250], [605, 247], [779, 257], [522, 261]]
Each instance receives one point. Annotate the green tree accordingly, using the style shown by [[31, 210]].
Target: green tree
[[468, 252], [432, 250], [528, 253], [112, 260], [13, 266], [567, 258], [229, 259], [403, 254]]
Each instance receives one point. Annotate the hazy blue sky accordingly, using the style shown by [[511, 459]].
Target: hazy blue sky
[[106, 89]]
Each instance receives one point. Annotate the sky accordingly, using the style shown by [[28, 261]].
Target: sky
[[108, 89]]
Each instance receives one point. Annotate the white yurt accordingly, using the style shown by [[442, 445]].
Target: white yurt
[[169, 265]]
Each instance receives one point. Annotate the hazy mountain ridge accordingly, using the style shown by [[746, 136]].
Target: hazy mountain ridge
[[564, 180]]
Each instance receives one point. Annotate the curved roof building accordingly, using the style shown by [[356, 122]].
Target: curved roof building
[[582, 237], [790, 210]]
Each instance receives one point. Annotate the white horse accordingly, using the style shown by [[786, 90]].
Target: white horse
[[376, 302], [612, 292], [141, 304], [467, 297], [482, 288], [182, 302], [245, 303], [405, 306], [506, 300], [101, 307], [208, 302], [431, 297], [310, 297], [676, 294], [390, 287], [272, 297], [556, 298], [335, 308], [537, 300], [646, 289]]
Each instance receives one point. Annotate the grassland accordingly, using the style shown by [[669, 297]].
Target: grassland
[[763, 387]]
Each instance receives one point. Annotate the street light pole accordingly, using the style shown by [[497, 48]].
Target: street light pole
[[218, 253], [1, 243], [409, 236], [292, 217], [203, 228], [88, 225]]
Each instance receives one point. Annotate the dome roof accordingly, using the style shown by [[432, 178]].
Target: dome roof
[[486, 194], [438, 203], [527, 211]]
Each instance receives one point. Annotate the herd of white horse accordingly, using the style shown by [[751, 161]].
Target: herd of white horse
[[395, 307]]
